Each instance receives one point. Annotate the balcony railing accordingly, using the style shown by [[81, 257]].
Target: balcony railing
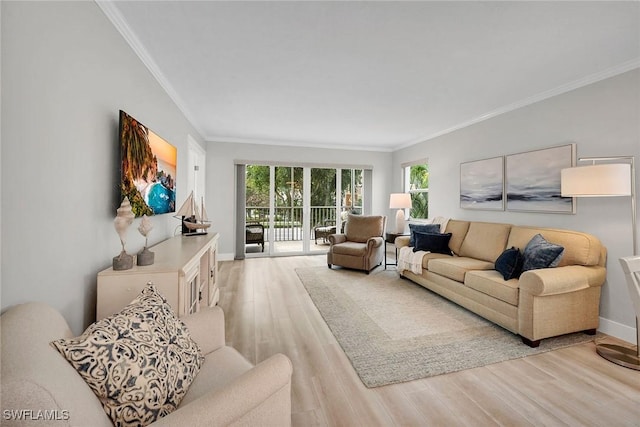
[[288, 220]]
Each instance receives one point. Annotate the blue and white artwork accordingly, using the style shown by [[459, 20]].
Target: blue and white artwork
[[533, 180], [481, 184]]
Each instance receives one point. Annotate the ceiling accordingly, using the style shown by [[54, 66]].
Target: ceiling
[[370, 75]]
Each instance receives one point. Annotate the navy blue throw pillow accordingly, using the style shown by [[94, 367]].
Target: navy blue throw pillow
[[432, 242], [541, 254], [509, 263], [422, 228]]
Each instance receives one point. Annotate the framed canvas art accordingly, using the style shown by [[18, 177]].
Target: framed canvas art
[[482, 184], [148, 168], [533, 180]]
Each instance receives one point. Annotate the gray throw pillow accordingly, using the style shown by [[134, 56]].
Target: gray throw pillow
[[540, 253], [421, 228]]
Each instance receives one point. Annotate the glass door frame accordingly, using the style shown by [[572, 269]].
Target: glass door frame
[[270, 238]]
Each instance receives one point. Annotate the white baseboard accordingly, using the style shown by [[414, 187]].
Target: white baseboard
[[618, 330], [226, 257]]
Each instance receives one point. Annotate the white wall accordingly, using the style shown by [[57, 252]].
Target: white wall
[[66, 72], [221, 177], [603, 119]]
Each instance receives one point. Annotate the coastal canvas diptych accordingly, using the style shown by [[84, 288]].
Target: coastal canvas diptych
[[482, 183], [533, 180]]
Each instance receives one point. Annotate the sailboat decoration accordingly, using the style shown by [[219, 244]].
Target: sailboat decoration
[[192, 218]]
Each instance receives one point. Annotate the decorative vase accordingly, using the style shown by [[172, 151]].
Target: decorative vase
[[123, 220], [124, 261], [145, 257]]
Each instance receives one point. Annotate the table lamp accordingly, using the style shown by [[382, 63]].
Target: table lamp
[[400, 201]]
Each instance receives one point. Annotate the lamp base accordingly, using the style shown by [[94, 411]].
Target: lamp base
[[400, 222], [620, 355]]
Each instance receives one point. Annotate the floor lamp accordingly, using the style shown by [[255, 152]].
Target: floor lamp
[[602, 180]]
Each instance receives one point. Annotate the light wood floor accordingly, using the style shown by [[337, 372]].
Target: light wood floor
[[268, 311]]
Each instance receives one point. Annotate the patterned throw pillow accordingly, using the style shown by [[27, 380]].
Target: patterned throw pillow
[[421, 228], [541, 254], [139, 362]]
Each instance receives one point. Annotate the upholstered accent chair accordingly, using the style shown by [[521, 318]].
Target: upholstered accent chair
[[361, 246], [323, 230], [255, 234]]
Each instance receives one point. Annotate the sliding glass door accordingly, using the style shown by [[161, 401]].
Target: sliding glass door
[[322, 209], [292, 210], [288, 215]]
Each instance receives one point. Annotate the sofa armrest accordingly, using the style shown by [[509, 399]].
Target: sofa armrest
[[374, 242], [337, 238], [402, 241], [261, 396], [559, 280], [207, 328]]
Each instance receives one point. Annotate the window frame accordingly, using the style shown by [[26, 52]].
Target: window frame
[[406, 182]]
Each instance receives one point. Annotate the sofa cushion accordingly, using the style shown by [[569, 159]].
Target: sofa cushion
[[490, 282], [541, 254], [33, 374], [350, 248], [432, 255], [211, 378], [458, 230], [455, 268], [509, 263], [422, 228], [432, 242], [579, 248], [360, 228], [139, 362], [485, 240]]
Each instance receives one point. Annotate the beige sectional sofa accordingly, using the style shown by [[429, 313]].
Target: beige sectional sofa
[[542, 303], [39, 387]]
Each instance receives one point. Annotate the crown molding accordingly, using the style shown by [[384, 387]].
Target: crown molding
[[116, 18], [576, 84], [113, 14], [296, 143]]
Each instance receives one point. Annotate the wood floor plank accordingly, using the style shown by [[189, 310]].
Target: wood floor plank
[[508, 395], [476, 385], [268, 311], [399, 406], [368, 407]]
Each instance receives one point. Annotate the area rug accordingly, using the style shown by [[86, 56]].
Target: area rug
[[393, 330]]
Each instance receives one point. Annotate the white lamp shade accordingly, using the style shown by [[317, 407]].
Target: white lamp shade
[[596, 180], [399, 201]]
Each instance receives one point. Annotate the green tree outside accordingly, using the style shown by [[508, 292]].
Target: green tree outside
[[289, 183], [419, 180]]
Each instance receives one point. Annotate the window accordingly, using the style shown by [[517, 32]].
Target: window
[[416, 183]]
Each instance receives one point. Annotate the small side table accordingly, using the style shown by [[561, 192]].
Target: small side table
[[391, 238]]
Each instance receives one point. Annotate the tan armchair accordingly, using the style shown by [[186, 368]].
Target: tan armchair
[[361, 246]]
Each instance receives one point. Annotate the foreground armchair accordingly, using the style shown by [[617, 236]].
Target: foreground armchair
[[361, 246], [38, 382]]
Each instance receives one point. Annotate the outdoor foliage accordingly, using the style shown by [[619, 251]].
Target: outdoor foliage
[[419, 180], [137, 162], [289, 184]]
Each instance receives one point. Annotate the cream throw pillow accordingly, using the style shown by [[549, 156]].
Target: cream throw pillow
[[139, 362]]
